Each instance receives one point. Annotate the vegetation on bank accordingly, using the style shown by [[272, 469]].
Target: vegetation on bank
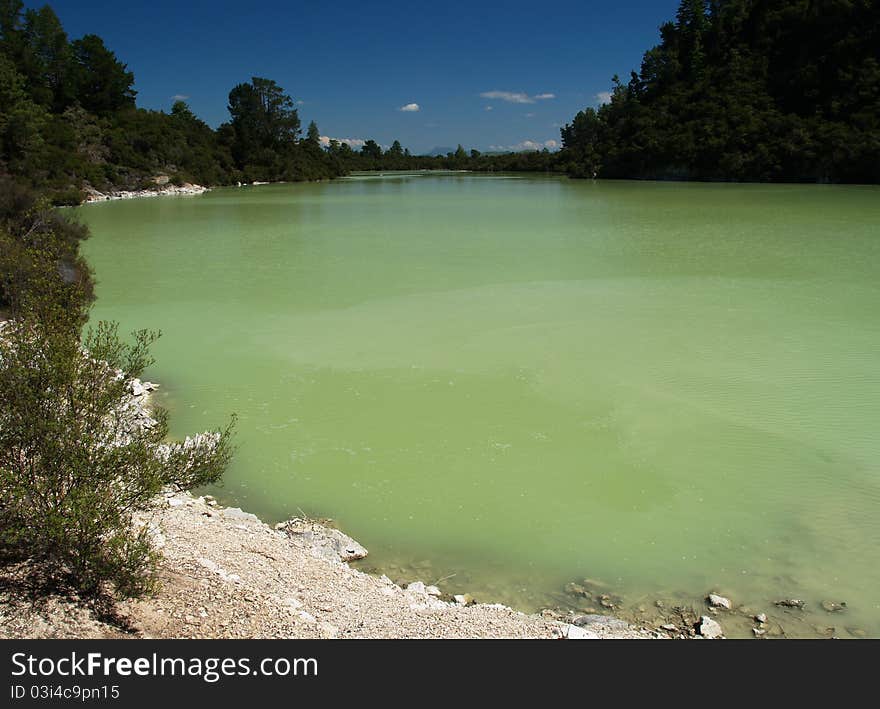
[[78, 457], [736, 90], [757, 90]]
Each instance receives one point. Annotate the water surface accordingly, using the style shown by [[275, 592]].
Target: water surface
[[515, 382]]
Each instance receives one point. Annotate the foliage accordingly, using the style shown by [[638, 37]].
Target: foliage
[[76, 462], [744, 90], [39, 255]]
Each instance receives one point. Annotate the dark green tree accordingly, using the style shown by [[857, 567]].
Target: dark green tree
[[103, 84]]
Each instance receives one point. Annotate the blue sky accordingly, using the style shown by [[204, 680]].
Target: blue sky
[[489, 75]]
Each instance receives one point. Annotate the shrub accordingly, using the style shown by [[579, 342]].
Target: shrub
[[78, 459]]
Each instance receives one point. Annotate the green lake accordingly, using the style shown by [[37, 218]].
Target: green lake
[[507, 383]]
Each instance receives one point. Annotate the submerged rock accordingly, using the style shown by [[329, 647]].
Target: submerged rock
[[594, 620], [791, 603], [832, 607], [717, 601]]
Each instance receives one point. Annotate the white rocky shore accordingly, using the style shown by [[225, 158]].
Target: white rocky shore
[[161, 190]]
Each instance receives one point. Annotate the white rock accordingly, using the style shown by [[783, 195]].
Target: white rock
[[417, 587], [236, 513], [573, 632], [709, 628], [433, 591]]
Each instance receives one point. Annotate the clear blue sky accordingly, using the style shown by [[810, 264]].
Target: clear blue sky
[[354, 65]]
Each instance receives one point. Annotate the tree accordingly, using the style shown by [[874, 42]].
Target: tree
[[21, 122], [580, 140], [371, 150], [103, 84], [313, 135], [48, 59], [264, 121]]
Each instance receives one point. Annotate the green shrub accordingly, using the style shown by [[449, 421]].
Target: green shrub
[[78, 461]]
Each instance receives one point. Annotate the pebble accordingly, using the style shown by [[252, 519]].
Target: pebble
[[832, 607]]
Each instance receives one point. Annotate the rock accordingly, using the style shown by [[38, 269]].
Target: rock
[[325, 542], [759, 632], [857, 632], [433, 591], [669, 627], [791, 603], [832, 607], [717, 601], [709, 628], [465, 599], [573, 632], [417, 587], [176, 502], [761, 618], [592, 620], [150, 386], [237, 514], [136, 388], [575, 589]]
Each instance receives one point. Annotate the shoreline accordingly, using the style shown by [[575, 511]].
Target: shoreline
[[224, 573], [186, 189]]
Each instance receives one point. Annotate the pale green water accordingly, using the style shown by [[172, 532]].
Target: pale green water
[[525, 381]]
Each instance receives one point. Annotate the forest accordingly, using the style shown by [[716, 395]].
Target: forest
[[744, 90], [736, 90]]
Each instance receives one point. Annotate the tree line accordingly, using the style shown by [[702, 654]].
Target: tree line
[[748, 90]]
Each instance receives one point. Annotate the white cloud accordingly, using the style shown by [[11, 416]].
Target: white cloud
[[350, 142], [530, 115], [410, 108], [515, 96], [526, 145], [603, 97], [489, 108], [180, 97], [509, 96]]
